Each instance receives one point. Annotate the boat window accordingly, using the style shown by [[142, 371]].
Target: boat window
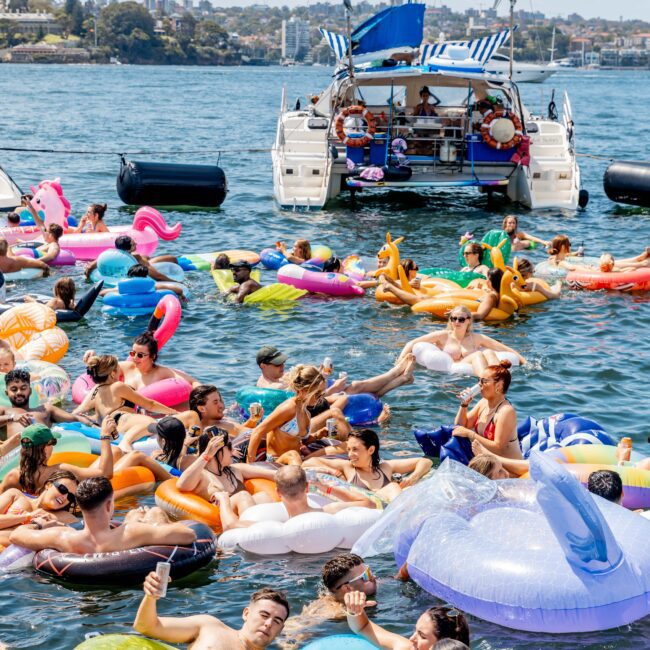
[[381, 95]]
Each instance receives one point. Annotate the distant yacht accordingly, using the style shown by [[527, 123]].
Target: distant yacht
[[532, 73]]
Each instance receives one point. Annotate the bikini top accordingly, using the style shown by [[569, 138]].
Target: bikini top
[[358, 482], [490, 427], [125, 403]]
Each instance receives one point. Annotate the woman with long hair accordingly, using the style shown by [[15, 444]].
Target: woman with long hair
[[113, 397], [300, 253], [493, 421], [55, 501], [461, 343], [365, 469], [473, 252], [93, 219]]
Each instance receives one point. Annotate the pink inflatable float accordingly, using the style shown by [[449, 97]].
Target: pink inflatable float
[[331, 284], [64, 258], [148, 225], [170, 392]]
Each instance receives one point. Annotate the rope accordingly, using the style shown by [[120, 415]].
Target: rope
[[596, 157], [132, 153]]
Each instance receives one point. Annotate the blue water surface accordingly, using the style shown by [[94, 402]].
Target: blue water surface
[[588, 352]]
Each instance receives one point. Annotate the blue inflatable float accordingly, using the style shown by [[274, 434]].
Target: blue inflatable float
[[134, 297]]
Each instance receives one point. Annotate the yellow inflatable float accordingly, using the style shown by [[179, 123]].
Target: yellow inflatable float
[[30, 329]]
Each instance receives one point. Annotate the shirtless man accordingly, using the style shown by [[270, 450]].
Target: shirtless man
[[245, 285], [97, 504], [51, 235], [14, 264], [263, 619], [19, 415], [128, 245]]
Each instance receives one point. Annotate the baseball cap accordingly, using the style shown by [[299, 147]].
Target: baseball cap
[[270, 354], [167, 427], [38, 434], [241, 264]]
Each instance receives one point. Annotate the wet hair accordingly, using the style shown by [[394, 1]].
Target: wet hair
[[17, 375], [500, 372], [473, 247], [149, 341], [369, 439], [484, 464], [558, 243], [607, 484], [13, 218], [199, 396], [304, 248], [333, 265], [55, 230], [204, 439], [525, 267], [138, 271], [409, 265], [606, 262], [304, 377], [460, 310], [291, 481], [494, 277], [266, 593], [32, 460], [505, 221], [99, 209], [448, 626], [337, 568], [172, 448], [100, 367], [92, 492], [65, 289], [221, 261], [4, 246], [59, 475], [450, 644], [124, 243]]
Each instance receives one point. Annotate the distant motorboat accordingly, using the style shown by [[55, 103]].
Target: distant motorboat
[[532, 73]]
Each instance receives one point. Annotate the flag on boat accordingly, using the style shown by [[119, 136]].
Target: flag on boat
[[480, 49], [392, 29]]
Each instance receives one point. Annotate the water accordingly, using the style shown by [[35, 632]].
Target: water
[[588, 351]]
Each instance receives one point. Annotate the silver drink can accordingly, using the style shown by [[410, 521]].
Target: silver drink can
[[255, 409], [162, 571], [330, 423]]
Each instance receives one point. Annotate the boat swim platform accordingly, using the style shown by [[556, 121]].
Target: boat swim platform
[[424, 180]]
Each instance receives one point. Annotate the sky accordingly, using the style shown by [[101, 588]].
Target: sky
[[628, 9]]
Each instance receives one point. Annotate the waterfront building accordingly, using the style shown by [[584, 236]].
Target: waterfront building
[[295, 39]]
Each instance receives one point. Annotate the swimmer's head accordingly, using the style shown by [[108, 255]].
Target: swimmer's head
[[558, 244], [138, 271], [54, 232], [525, 268], [125, 243], [221, 261], [489, 466], [606, 484], [606, 263], [13, 219], [95, 493], [7, 360], [348, 572]]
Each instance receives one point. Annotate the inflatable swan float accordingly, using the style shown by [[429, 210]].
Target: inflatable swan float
[[542, 555]]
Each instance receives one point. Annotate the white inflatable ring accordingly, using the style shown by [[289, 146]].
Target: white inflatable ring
[[433, 358]]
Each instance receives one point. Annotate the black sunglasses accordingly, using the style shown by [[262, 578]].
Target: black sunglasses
[[64, 491], [457, 319]]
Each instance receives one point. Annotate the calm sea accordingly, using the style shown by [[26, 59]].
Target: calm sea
[[588, 352]]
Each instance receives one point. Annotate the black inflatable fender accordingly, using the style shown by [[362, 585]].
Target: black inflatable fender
[[128, 567], [628, 182]]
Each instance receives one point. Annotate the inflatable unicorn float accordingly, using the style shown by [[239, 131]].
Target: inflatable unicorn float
[[52, 206]]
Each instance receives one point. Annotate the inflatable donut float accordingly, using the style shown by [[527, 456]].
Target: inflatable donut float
[[181, 505], [127, 567], [121, 642]]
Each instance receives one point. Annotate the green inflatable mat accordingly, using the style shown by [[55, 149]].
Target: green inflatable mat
[[462, 278], [493, 238], [122, 642]]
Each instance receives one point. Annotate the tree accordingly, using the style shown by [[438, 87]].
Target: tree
[[122, 19], [210, 34]]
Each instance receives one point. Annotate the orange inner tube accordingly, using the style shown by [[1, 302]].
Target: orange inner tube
[[186, 505], [486, 130], [364, 140]]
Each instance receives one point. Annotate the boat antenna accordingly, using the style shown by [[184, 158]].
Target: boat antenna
[[348, 11], [512, 30]]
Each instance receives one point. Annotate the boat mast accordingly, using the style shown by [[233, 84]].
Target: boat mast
[[512, 30], [348, 11], [552, 48]]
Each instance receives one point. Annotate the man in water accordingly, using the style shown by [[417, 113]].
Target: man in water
[[271, 363], [96, 500], [19, 415], [264, 618], [14, 264], [244, 284]]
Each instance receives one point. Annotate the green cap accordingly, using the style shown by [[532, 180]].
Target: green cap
[[39, 434]]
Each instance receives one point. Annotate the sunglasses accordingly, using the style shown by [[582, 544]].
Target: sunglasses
[[483, 382], [366, 576], [466, 253], [139, 355], [215, 432], [458, 319], [64, 491]]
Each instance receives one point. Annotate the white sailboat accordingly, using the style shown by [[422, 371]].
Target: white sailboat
[[531, 73], [9, 192]]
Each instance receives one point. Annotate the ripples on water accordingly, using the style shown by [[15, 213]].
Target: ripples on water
[[588, 352]]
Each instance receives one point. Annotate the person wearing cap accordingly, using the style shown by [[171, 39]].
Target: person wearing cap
[[19, 414], [244, 284], [271, 362], [37, 445]]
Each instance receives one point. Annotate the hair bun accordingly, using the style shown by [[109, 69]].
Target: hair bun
[[505, 364]]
